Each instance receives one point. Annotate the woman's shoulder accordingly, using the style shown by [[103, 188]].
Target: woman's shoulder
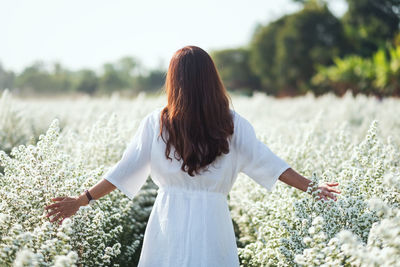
[[157, 113], [237, 118], [153, 117], [154, 114], [243, 129]]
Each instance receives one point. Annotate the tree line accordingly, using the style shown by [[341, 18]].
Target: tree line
[[309, 50], [313, 50], [126, 74]]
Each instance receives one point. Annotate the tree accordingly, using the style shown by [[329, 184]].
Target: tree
[[88, 82], [150, 82], [7, 78], [233, 66], [112, 79], [39, 78], [263, 49], [120, 75], [369, 24], [61, 78], [285, 53]]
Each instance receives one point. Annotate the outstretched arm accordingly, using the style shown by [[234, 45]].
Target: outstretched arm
[[102, 188], [128, 174], [68, 206], [292, 178]]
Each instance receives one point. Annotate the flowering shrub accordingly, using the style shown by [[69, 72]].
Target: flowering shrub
[[14, 127], [287, 227], [382, 247], [93, 237], [349, 140]]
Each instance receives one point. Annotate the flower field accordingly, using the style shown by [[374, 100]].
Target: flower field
[[62, 146]]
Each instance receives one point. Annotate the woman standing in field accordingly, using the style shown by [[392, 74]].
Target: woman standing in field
[[193, 148]]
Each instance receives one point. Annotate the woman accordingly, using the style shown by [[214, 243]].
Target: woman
[[193, 148]]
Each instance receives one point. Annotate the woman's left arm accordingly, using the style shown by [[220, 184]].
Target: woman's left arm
[[292, 178], [68, 206]]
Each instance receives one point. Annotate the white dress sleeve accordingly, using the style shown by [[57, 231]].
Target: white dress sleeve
[[130, 173], [255, 158]]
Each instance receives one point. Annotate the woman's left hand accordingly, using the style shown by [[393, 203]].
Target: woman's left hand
[[66, 207], [327, 191]]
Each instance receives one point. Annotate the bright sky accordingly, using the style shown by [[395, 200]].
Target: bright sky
[[88, 33]]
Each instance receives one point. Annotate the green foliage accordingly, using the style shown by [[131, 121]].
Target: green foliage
[[369, 24], [285, 52], [44, 79], [124, 74], [151, 82], [87, 81], [378, 75], [262, 54], [234, 69], [119, 75], [7, 78], [112, 79]]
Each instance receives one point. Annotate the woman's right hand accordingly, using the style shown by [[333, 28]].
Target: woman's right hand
[[327, 191], [64, 208]]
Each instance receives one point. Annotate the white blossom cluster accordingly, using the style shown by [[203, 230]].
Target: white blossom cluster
[[354, 141], [15, 127], [64, 162], [288, 227]]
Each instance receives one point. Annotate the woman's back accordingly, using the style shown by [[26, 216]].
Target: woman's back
[[190, 220], [190, 223]]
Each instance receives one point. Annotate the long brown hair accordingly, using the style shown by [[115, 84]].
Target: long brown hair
[[197, 117]]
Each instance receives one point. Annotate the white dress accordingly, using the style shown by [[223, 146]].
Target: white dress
[[190, 223]]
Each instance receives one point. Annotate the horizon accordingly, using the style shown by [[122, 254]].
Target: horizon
[[88, 40]]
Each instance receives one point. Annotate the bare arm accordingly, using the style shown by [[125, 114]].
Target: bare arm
[[292, 178], [68, 206], [102, 188]]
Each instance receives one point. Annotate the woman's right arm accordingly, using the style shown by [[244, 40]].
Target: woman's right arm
[[292, 178]]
